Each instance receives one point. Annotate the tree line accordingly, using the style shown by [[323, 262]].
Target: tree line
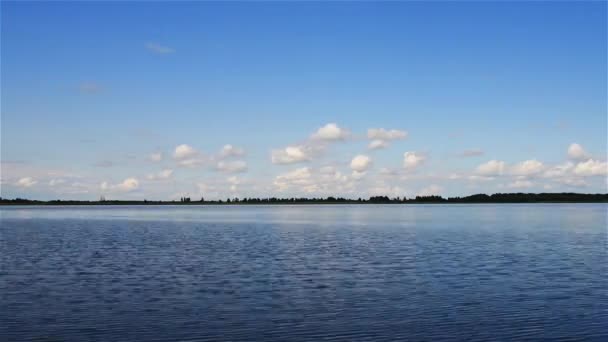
[[477, 198]]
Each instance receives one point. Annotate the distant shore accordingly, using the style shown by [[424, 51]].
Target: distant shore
[[478, 198]]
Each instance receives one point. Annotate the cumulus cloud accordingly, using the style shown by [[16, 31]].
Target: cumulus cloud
[[478, 178], [162, 175], [454, 176], [577, 152], [291, 154], [573, 181], [326, 181], [205, 190], [431, 190], [26, 182], [330, 132], [232, 166], [155, 157], [383, 189], [412, 160], [234, 182], [383, 134], [187, 156], [56, 181], [491, 168], [159, 49], [378, 144], [128, 185], [193, 162], [360, 163], [356, 175], [471, 153], [327, 170], [572, 174], [231, 151], [591, 167], [381, 137], [559, 170], [184, 151], [388, 172], [301, 177], [527, 168], [76, 188]]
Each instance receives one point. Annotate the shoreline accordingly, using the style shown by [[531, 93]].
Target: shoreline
[[472, 199]]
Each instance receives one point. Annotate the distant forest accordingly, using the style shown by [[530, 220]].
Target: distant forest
[[478, 198]]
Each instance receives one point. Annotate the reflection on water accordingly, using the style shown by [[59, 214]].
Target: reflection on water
[[304, 273]]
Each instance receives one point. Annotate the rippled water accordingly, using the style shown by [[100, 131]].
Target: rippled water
[[304, 273]]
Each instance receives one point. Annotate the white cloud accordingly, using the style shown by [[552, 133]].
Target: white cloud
[[380, 137], [206, 190], [327, 170], [187, 156], [330, 132], [388, 172], [356, 175], [478, 178], [412, 160], [527, 168], [591, 168], [577, 152], [491, 168], [155, 157], [337, 176], [193, 162], [128, 185], [559, 170], [26, 182], [297, 174], [159, 49], [314, 182], [360, 163], [378, 144], [184, 151], [232, 166], [300, 177], [431, 190], [383, 134], [231, 151], [573, 181], [76, 188], [290, 155], [454, 176], [520, 183], [384, 189], [162, 175], [54, 182], [571, 174], [234, 182]]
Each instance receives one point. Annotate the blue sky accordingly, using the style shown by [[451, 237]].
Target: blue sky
[[472, 97]]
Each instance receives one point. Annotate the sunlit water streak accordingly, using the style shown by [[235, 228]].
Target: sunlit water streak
[[304, 273]]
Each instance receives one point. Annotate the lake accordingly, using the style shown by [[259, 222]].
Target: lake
[[507, 272]]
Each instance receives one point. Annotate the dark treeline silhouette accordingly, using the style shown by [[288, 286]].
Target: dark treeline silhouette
[[478, 198]]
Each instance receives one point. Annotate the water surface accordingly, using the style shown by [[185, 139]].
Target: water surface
[[304, 273]]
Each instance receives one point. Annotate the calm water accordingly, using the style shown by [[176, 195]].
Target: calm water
[[304, 273]]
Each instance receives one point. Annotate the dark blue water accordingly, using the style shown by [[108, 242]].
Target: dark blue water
[[304, 273]]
